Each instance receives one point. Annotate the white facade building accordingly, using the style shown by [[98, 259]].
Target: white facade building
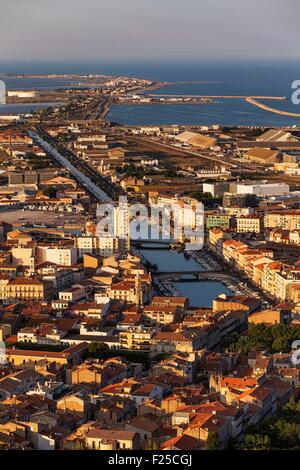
[[96, 245], [63, 256], [263, 189]]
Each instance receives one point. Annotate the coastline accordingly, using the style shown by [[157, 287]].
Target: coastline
[[227, 114]]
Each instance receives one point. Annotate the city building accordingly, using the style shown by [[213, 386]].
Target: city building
[[248, 224]]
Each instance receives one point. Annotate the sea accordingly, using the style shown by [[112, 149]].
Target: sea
[[213, 78]]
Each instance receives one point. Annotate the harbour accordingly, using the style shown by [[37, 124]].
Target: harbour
[[201, 292]]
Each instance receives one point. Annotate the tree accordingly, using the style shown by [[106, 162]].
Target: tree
[[278, 432], [206, 198], [257, 442], [96, 348], [51, 192], [79, 445], [263, 338], [291, 407], [151, 445], [286, 433], [213, 441], [281, 345]]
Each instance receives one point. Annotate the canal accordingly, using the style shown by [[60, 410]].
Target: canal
[[200, 294]]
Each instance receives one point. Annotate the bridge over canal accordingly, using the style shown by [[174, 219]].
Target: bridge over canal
[[188, 276]]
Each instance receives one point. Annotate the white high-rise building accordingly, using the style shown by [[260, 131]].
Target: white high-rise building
[[122, 225]]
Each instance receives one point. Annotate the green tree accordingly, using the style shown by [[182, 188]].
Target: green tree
[[213, 441], [151, 445], [96, 348], [286, 434], [206, 198], [281, 345], [51, 192], [291, 407], [257, 442], [278, 432], [79, 445], [263, 338]]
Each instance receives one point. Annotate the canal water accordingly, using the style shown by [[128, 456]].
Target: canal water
[[200, 294]]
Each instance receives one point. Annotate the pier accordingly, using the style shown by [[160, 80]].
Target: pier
[[256, 103], [230, 97]]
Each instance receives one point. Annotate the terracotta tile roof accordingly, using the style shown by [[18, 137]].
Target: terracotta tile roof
[[184, 442], [144, 424], [209, 422], [25, 281], [110, 434], [242, 383], [169, 336]]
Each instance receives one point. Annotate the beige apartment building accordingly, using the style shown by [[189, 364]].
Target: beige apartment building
[[23, 288], [133, 291], [287, 220], [295, 293], [216, 239], [289, 237], [249, 224], [96, 245], [284, 282], [161, 314], [294, 237], [269, 276], [136, 339], [230, 248], [73, 294]]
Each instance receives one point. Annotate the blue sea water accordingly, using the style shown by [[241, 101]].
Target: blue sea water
[[224, 112], [222, 77], [13, 83]]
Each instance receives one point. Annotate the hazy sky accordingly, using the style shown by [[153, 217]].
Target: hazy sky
[[149, 29]]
